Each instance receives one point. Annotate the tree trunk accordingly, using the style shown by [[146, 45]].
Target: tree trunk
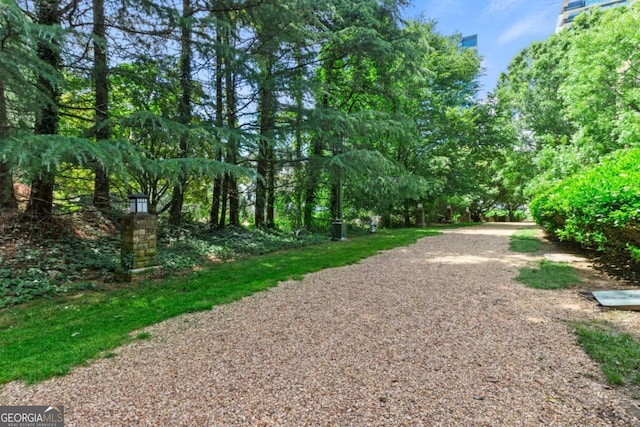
[[298, 171], [223, 205], [334, 205], [7, 197], [317, 147], [313, 171], [265, 184], [42, 187], [231, 187], [313, 180], [184, 109], [214, 217], [408, 214], [271, 187], [234, 201], [263, 153], [100, 76]]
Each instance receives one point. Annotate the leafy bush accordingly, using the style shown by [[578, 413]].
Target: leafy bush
[[597, 208]]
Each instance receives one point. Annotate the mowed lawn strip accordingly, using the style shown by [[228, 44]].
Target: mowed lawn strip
[[48, 337], [525, 240]]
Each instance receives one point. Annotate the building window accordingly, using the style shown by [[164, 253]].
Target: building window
[[469, 41], [574, 5], [571, 17], [594, 2]]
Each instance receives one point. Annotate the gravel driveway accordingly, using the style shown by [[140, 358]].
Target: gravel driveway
[[434, 334]]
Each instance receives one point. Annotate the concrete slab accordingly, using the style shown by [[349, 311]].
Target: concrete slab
[[621, 299]]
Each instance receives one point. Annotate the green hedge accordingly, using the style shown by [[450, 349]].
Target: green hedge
[[598, 207]]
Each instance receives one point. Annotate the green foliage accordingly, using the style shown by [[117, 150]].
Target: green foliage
[[618, 353], [598, 208], [377, 183], [325, 89], [55, 265], [573, 98], [413, 107], [45, 338], [191, 245], [549, 275], [19, 62], [602, 87], [35, 154], [156, 164], [525, 241], [455, 135]]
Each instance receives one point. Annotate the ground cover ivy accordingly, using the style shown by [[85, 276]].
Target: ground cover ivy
[[36, 266]]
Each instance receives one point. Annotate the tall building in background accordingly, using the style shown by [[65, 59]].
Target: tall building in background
[[469, 42], [572, 8]]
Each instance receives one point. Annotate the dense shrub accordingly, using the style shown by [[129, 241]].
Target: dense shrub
[[597, 208]]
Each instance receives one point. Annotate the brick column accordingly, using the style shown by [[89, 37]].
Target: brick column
[[139, 246]]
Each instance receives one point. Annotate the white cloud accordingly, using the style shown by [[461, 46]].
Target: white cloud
[[525, 27], [496, 6]]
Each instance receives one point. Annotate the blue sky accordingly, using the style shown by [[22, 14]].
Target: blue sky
[[504, 27]]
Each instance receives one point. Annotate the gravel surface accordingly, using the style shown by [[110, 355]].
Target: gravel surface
[[434, 334]]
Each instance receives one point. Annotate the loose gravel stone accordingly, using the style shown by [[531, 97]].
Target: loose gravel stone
[[434, 334]]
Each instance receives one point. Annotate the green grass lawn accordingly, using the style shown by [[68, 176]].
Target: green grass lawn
[[525, 240], [549, 275], [618, 353], [48, 337], [546, 274]]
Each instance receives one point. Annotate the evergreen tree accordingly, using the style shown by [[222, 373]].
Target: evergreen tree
[[47, 117], [19, 64], [184, 107], [101, 197], [7, 198]]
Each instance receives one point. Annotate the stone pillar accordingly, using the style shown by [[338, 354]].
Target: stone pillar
[[139, 246]]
